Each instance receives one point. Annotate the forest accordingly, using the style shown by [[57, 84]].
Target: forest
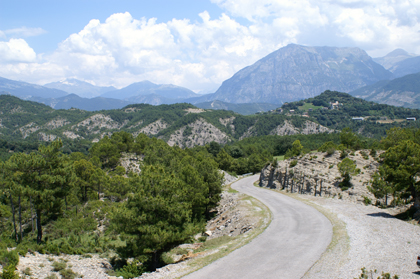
[[53, 202]]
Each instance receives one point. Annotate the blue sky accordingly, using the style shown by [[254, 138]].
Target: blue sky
[[195, 44]]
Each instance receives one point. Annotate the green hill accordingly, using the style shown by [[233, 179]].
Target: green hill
[[377, 118]]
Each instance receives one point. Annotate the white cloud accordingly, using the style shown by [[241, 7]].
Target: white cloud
[[201, 55], [24, 32], [16, 50]]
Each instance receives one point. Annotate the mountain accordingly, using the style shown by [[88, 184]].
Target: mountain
[[392, 58], [244, 109], [406, 67], [403, 91], [26, 90], [295, 72], [74, 101], [80, 88], [142, 88]]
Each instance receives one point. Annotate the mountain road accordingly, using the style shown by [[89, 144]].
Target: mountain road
[[291, 244]]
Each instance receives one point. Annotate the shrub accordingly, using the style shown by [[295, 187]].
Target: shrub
[[68, 274], [27, 271], [132, 270], [52, 276], [9, 272], [366, 200], [364, 155], [373, 152], [9, 258], [343, 154], [293, 163], [57, 266], [330, 151]]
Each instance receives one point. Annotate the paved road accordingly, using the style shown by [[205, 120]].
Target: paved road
[[292, 243]]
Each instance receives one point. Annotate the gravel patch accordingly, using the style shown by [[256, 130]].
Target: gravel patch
[[375, 240]]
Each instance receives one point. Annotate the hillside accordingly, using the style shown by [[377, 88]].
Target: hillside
[[296, 72], [178, 124], [403, 91], [377, 118], [244, 109]]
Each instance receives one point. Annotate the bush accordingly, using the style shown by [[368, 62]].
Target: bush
[[343, 154], [364, 155], [9, 258], [373, 152], [9, 272], [68, 274], [293, 163], [330, 151], [58, 266], [366, 200], [52, 276], [132, 270]]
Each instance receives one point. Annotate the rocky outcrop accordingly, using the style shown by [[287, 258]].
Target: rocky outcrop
[[317, 174], [29, 129], [71, 135], [46, 137], [199, 132], [56, 123], [98, 121], [153, 128]]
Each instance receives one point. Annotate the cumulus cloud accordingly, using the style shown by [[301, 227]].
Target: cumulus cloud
[[16, 50], [200, 55]]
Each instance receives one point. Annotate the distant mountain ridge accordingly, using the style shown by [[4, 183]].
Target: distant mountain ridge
[[296, 72], [403, 91], [26, 90], [393, 58], [81, 88], [168, 91]]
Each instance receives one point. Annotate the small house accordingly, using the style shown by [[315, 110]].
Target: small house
[[411, 119], [358, 118]]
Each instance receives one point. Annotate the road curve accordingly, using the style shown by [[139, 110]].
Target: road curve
[[292, 243]]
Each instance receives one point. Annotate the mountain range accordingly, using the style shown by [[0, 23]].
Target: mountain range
[[291, 73], [81, 88]]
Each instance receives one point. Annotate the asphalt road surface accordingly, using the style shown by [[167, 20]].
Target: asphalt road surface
[[292, 243]]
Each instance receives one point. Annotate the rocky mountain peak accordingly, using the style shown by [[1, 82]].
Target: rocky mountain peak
[[296, 72]]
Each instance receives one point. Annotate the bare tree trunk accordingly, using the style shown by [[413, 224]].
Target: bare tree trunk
[[14, 220], [320, 188], [32, 214], [38, 226], [316, 184], [20, 219]]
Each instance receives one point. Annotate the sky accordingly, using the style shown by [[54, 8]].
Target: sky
[[196, 44]]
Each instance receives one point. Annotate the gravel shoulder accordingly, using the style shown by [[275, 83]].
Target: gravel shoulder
[[365, 236]]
